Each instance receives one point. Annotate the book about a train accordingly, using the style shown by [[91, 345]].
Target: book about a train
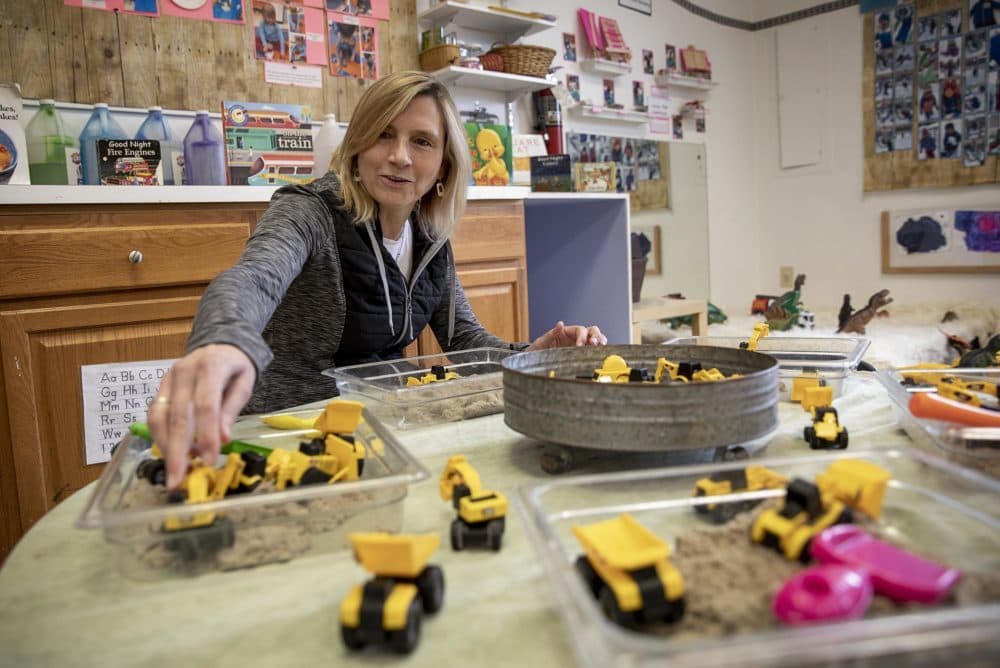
[[267, 144]]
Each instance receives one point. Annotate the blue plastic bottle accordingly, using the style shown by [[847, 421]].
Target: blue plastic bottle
[[155, 127], [100, 125], [204, 153]]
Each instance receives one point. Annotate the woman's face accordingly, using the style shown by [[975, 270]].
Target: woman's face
[[406, 160]]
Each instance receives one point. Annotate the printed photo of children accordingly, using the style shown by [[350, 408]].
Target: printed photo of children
[[928, 104], [928, 28], [270, 33], [903, 24], [647, 61], [573, 86], [345, 56], [928, 147], [671, 58], [609, 92], [951, 141], [678, 127], [983, 13], [638, 98], [373, 9], [569, 47], [223, 10]]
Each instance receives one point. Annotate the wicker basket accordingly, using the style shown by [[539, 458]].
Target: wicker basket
[[532, 61], [440, 56], [492, 61]]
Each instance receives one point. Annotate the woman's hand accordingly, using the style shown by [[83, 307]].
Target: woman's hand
[[197, 403], [562, 336]]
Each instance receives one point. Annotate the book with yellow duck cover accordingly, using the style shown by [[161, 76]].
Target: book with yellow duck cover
[[490, 149]]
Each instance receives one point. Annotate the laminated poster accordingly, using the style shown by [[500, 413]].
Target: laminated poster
[[267, 144], [227, 11], [352, 46], [372, 9], [143, 7], [13, 146], [288, 31]]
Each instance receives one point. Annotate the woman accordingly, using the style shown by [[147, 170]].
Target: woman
[[345, 270]]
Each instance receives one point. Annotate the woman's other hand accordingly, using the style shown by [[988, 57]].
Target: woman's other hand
[[197, 403], [563, 335]]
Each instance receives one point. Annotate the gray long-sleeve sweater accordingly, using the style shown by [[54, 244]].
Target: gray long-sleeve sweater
[[283, 301]]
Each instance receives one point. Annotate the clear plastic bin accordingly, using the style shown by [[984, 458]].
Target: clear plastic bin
[[977, 448], [382, 387], [248, 529], [833, 358], [931, 507]]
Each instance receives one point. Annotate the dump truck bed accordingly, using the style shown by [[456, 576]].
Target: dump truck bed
[[622, 542], [399, 555]]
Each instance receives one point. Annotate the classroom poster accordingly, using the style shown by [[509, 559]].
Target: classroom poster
[[352, 46], [288, 31]]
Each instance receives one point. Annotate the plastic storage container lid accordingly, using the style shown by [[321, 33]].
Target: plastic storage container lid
[[821, 354]]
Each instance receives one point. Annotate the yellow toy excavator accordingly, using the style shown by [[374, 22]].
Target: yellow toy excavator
[[481, 514]]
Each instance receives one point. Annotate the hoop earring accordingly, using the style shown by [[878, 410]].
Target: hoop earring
[[440, 189], [356, 175]]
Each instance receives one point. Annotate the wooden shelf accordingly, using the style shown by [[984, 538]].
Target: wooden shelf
[[606, 114], [510, 26], [681, 81], [516, 84], [605, 67]]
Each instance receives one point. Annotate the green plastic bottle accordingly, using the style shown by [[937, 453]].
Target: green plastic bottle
[[47, 144]]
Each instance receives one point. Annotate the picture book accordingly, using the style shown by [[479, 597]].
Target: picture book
[[595, 177], [551, 174], [526, 146], [267, 144], [13, 146], [129, 162], [490, 149], [614, 42]]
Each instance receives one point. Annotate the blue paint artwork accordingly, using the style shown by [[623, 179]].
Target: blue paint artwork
[[982, 230]]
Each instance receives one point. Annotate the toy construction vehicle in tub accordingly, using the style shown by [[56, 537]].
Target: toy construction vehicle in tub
[[389, 608], [616, 370], [734, 481], [847, 486], [825, 432], [481, 514], [625, 567], [335, 457], [438, 373]]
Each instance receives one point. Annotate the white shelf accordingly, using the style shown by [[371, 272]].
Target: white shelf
[[602, 66], [681, 81], [606, 114], [510, 26], [489, 80]]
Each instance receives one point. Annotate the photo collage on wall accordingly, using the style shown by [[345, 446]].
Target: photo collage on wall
[[635, 159], [937, 82], [352, 34]]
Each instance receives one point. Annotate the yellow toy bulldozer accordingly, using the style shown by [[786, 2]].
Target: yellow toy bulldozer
[[481, 514], [826, 432], [625, 567], [389, 608]]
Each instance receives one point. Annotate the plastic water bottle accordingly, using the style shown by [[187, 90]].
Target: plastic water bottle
[[100, 125], [47, 144], [327, 140], [204, 153], [155, 127]]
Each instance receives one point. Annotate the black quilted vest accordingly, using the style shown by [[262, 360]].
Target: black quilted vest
[[367, 337]]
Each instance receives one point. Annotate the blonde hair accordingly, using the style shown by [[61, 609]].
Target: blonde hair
[[378, 107]]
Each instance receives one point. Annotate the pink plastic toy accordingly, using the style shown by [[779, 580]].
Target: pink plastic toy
[[823, 593], [894, 572]]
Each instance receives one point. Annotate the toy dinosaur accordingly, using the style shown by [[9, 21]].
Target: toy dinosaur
[[783, 312], [845, 312], [987, 356], [857, 320]]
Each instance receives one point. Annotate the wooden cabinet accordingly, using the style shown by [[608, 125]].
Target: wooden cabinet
[[90, 284], [73, 293]]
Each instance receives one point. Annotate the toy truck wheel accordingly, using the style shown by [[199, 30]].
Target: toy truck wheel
[[457, 535], [352, 637], [494, 535], [430, 584], [589, 575], [809, 434], [842, 440], [675, 611], [153, 470], [805, 556], [609, 604], [405, 640]]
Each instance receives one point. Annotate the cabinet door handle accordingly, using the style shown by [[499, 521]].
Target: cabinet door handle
[[135, 257]]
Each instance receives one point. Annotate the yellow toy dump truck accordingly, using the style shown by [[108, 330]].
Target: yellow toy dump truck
[[332, 450], [625, 566], [389, 608], [749, 479], [810, 507], [481, 514], [438, 373], [825, 432]]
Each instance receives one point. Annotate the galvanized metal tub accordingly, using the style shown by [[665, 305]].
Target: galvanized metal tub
[[576, 411]]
